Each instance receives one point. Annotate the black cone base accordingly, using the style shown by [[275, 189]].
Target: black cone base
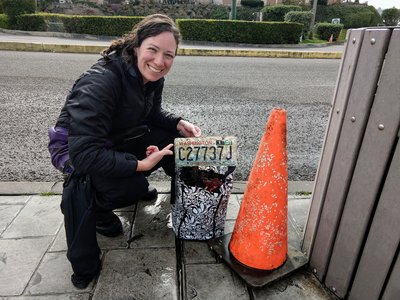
[[255, 277]]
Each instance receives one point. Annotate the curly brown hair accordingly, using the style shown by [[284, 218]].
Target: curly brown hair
[[150, 26]]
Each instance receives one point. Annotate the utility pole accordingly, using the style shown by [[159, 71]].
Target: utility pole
[[233, 9]]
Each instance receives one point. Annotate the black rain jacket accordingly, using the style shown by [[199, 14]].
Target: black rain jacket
[[106, 103]]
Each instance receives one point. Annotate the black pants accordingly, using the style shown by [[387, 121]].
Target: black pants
[[97, 196], [113, 193]]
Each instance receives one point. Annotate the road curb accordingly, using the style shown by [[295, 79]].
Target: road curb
[[95, 49], [260, 53], [60, 48]]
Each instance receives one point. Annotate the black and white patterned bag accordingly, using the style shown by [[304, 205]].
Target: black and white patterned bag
[[202, 194]]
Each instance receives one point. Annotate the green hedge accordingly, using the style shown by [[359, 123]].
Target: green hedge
[[192, 29], [99, 25], [95, 25], [325, 30], [240, 31], [31, 22], [41, 22], [3, 21], [278, 12], [55, 22]]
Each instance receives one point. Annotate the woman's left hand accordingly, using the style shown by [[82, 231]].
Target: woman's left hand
[[187, 129]]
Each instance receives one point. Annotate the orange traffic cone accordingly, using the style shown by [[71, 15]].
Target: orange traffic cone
[[259, 238]]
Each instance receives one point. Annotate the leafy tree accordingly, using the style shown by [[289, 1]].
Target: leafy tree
[[303, 17], [13, 8], [246, 13], [391, 16], [351, 16], [3, 21], [252, 3], [219, 12], [278, 12], [293, 2]]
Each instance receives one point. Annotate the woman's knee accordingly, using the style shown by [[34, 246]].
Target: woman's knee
[[113, 193]]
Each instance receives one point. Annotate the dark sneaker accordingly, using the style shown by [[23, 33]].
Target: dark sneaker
[[150, 195], [110, 228], [82, 282]]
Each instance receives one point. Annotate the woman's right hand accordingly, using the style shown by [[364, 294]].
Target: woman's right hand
[[154, 155], [187, 129]]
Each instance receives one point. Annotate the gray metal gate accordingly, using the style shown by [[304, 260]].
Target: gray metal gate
[[353, 230]]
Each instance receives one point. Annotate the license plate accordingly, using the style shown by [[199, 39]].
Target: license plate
[[203, 151]]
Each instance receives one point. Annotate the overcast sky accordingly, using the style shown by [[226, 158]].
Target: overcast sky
[[383, 3]]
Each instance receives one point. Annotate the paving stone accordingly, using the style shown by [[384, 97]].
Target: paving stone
[[18, 260], [233, 208], [298, 212], [229, 225], [302, 285], [294, 237], [120, 241], [7, 214], [41, 216], [213, 281], [238, 186], [195, 252], [12, 200], [59, 243], [138, 274], [130, 208], [163, 187], [54, 276], [240, 198], [153, 220], [104, 242]]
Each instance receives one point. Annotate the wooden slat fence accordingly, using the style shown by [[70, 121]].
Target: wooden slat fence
[[353, 230]]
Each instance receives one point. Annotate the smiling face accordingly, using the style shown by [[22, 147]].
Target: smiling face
[[155, 56]]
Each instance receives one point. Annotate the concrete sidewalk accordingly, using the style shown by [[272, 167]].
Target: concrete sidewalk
[[73, 43], [33, 263]]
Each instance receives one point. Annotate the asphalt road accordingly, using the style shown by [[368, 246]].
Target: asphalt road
[[223, 95]]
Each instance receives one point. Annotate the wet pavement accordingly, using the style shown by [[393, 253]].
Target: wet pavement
[[153, 265]]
